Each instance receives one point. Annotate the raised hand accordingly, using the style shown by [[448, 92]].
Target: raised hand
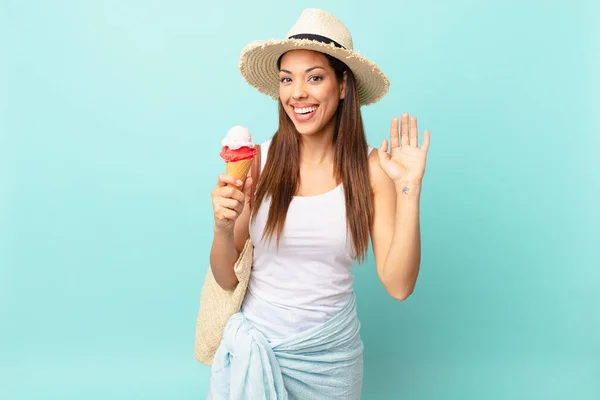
[[406, 160]]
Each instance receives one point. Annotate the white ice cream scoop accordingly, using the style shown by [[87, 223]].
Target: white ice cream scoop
[[236, 137]]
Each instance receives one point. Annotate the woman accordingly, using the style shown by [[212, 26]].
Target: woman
[[321, 195]]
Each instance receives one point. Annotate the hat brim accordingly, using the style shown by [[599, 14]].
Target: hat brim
[[258, 66]]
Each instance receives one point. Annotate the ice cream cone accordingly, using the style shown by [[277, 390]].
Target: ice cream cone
[[239, 169], [238, 151]]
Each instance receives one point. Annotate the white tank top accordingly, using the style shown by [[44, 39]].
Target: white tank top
[[309, 278]]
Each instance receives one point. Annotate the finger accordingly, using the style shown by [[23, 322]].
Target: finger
[[426, 140], [394, 140], [226, 213], [404, 130], [414, 132], [231, 204], [225, 179], [239, 195], [230, 192], [383, 151]]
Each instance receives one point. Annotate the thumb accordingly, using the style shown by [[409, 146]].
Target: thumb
[[382, 152]]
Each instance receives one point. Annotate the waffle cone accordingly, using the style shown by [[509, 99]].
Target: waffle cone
[[239, 169]]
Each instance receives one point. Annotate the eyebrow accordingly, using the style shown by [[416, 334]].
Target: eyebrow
[[308, 70]]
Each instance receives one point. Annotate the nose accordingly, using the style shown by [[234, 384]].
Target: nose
[[298, 90]]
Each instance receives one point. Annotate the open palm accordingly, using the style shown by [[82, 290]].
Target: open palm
[[406, 160]]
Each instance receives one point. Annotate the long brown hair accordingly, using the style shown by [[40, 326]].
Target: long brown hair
[[281, 175]]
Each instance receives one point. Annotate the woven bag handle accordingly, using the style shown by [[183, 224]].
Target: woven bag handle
[[256, 165]]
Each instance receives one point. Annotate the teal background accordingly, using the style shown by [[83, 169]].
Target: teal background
[[111, 115]]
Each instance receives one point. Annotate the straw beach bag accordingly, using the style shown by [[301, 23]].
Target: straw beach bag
[[217, 304]]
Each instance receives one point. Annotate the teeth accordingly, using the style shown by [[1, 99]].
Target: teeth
[[305, 110]]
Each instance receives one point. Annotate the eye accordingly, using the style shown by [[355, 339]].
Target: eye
[[315, 78], [285, 79]]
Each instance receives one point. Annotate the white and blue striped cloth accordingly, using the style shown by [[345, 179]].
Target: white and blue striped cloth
[[323, 363]]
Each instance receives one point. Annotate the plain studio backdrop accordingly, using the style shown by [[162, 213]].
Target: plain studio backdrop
[[111, 116]]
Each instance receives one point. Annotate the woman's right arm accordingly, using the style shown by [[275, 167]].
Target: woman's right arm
[[232, 215]]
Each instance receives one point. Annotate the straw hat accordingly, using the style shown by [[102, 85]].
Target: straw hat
[[319, 31]]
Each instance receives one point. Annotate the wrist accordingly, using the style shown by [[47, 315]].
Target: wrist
[[223, 231], [406, 189]]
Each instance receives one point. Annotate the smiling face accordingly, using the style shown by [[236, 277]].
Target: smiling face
[[309, 91]]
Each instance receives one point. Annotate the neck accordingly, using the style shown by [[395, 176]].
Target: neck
[[317, 149]]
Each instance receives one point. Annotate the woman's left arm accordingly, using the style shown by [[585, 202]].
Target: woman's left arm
[[396, 180]]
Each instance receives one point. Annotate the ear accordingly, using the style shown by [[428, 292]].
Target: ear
[[343, 86]]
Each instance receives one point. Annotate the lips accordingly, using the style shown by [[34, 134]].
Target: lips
[[303, 114]]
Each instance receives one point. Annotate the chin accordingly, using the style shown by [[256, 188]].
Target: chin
[[306, 130]]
